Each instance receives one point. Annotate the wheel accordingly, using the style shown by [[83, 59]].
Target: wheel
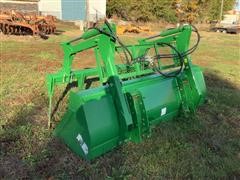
[[218, 31], [224, 31], [6, 29], [11, 30], [1, 27]]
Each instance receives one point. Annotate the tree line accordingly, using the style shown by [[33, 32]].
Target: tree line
[[168, 10]]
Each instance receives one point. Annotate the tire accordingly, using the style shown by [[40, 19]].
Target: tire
[[224, 31]]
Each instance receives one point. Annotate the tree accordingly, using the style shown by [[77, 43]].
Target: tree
[[167, 10], [186, 11]]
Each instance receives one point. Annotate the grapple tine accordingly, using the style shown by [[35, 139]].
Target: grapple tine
[[50, 112]]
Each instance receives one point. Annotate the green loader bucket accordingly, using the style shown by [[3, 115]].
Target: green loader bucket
[[90, 126], [132, 98]]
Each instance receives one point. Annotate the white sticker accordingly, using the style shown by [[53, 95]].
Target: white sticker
[[163, 111], [82, 144], [79, 138], [85, 148]]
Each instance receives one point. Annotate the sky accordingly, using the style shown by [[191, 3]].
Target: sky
[[238, 5]]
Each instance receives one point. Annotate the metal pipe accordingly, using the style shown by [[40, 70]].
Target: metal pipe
[[221, 11]]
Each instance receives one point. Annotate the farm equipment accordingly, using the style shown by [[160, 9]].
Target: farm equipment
[[230, 24], [131, 97], [130, 28], [12, 22]]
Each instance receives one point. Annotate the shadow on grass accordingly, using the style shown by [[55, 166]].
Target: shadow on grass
[[15, 141], [88, 84], [58, 32], [63, 95], [46, 36], [203, 146]]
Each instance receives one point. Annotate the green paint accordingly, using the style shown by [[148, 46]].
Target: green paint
[[131, 98]]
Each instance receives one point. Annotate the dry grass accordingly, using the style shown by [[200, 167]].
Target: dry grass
[[204, 146]]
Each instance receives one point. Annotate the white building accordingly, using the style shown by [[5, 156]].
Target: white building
[[73, 9]]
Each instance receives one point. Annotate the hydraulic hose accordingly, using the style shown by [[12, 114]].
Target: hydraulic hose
[[143, 58]]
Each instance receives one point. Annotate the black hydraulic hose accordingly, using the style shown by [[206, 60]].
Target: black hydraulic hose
[[157, 56], [143, 58], [192, 49], [115, 38], [181, 58], [178, 55], [189, 51], [125, 49], [103, 32]]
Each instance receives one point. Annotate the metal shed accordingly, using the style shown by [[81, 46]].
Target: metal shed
[[74, 9]]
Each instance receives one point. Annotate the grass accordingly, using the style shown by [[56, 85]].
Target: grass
[[205, 146]]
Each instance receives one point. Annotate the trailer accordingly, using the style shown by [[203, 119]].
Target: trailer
[[230, 24]]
